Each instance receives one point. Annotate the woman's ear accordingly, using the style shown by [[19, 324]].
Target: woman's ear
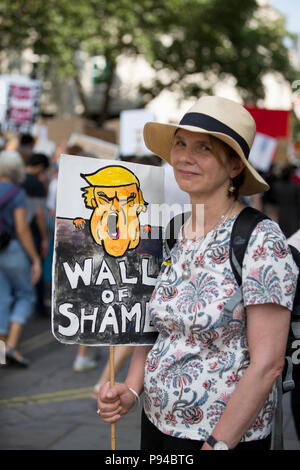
[[237, 168]]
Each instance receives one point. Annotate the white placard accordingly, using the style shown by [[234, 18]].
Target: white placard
[[70, 202], [106, 255], [94, 146], [262, 151], [131, 132], [20, 103], [47, 147]]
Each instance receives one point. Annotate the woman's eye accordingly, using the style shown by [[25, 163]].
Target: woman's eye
[[204, 148]]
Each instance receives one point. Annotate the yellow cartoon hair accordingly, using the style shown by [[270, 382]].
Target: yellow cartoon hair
[[110, 176]]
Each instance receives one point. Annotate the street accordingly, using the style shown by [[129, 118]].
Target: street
[[49, 407]]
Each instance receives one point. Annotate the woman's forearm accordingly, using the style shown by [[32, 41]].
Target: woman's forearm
[[24, 234], [26, 240], [136, 372], [244, 405]]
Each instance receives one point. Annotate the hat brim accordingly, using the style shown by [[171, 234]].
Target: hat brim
[[159, 139]]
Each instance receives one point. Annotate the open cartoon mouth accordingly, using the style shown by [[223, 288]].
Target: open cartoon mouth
[[112, 226]]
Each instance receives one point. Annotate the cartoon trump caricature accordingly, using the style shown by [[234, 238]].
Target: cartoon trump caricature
[[115, 196]]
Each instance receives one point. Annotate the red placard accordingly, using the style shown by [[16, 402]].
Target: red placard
[[272, 122]]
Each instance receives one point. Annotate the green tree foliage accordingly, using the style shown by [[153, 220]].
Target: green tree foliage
[[219, 39], [191, 44]]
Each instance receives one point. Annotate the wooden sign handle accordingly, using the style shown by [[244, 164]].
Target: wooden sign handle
[[112, 383]]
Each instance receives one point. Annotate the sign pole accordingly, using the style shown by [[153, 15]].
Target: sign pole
[[112, 383]]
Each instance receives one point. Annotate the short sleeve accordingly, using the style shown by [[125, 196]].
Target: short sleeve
[[269, 273], [20, 199]]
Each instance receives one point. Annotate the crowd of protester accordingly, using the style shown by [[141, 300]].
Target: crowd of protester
[[282, 202]]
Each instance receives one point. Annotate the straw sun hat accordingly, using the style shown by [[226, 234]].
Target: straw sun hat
[[224, 119]]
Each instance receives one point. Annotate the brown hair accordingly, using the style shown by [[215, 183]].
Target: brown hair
[[220, 148]]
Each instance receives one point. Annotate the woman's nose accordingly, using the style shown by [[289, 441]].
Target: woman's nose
[[187, 155]]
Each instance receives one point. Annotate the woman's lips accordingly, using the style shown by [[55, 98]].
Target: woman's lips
[[187, 173]]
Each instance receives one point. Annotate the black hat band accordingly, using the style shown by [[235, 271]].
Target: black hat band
[[213, 125]]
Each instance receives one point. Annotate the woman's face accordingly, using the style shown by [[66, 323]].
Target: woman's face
[[197, 169]]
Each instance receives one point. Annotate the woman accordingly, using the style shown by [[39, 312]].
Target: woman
[[209, 381], [20, 266]]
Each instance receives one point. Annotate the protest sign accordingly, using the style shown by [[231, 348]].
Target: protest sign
[[47, 147], [283, 152], [94, 147], [108, 134], [272, 122], [263, 151], [131, 132], [108, 250], [20, 103], [60, 129]]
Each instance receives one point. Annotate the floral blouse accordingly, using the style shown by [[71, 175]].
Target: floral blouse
[[201, 351]]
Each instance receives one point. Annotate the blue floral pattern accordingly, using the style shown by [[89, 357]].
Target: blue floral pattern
[[201, 352]]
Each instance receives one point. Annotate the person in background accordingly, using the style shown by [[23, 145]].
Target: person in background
[[11, 141], [286, 194], [83, 362], [20, 265], [209, 380], [36, 193], [25, 147], [50, 217]]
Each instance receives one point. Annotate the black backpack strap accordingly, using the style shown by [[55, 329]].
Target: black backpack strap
[[9, 195], [242, 229], [173, 228]]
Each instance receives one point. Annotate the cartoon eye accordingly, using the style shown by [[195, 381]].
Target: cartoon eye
[[103, 197], [131, 198], [128, 200]]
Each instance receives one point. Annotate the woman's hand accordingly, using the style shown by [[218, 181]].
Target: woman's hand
[[114, 402]]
